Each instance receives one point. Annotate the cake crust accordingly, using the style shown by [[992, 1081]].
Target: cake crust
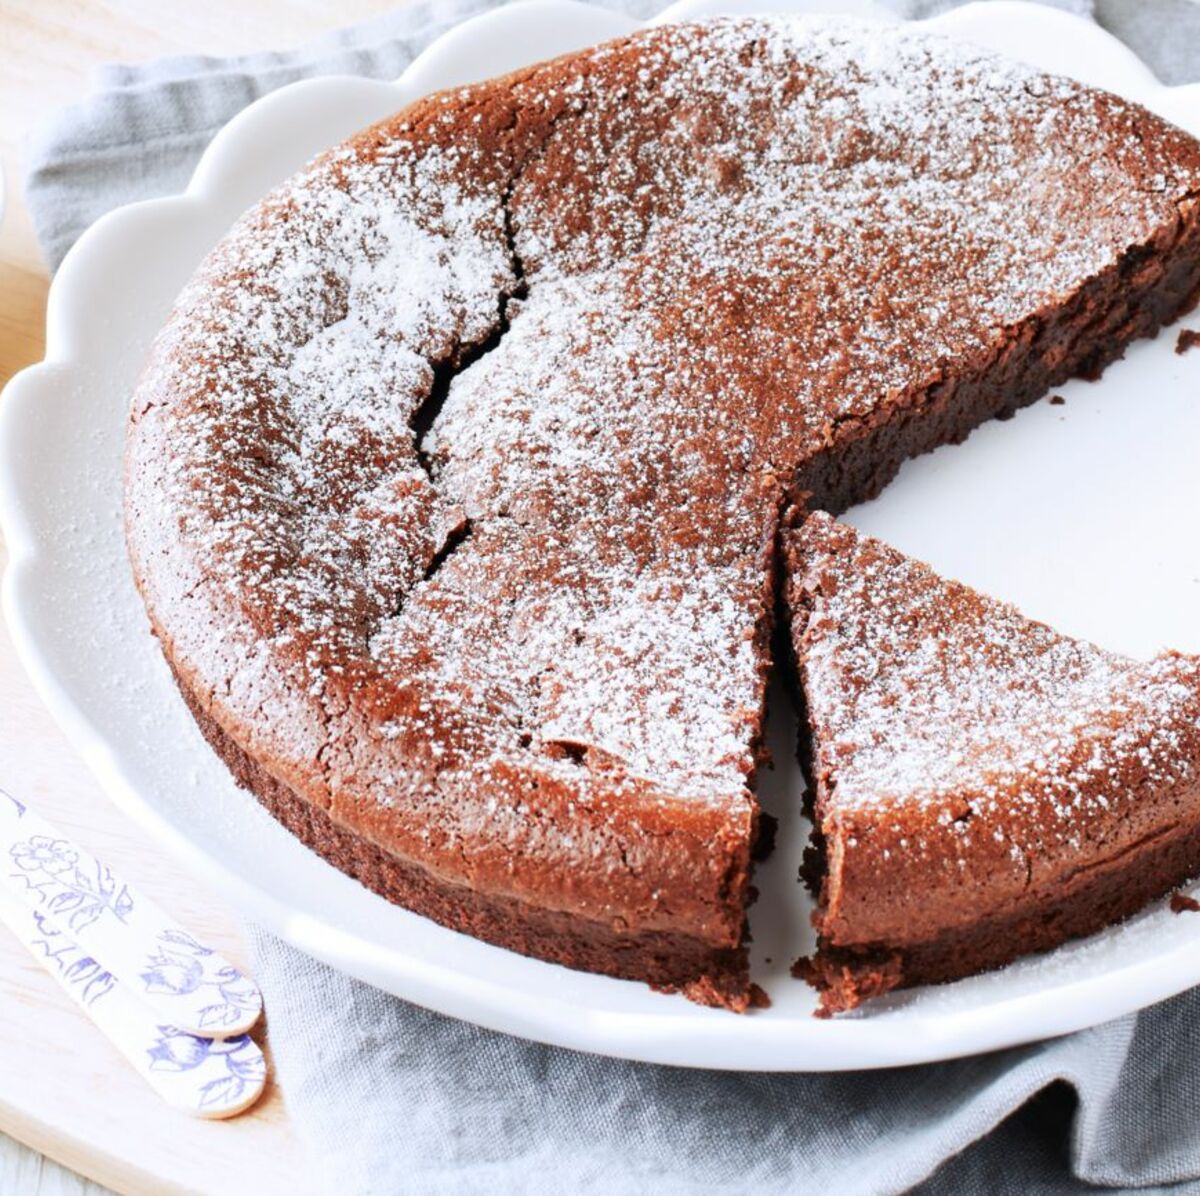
[[453, 485], [666, 961]]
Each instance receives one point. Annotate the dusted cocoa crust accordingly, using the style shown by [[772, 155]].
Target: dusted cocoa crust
[[462, 624], [847, 976], [670, 962], [1148, 288]]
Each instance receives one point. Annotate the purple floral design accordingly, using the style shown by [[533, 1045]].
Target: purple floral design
[[78, 895], [18, 806], [177, 968], [43, 854], [76, 967], [170, 975], [176, 1050], [239, 1065]]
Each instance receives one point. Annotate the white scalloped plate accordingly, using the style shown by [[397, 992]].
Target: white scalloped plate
[[1082, 513]]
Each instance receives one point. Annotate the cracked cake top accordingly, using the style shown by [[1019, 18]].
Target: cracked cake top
[[453, 481]]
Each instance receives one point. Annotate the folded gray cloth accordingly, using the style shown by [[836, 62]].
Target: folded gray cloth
[[142, 130], [390, 1098], [396, 1099]]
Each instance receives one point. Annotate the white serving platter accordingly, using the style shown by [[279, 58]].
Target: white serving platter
[[1083, 513]]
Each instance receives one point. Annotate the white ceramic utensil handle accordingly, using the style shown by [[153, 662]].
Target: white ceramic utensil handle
[[203, 1076], [187, 984]]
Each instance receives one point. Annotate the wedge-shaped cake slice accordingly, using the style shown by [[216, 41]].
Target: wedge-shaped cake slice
[[983, 786]]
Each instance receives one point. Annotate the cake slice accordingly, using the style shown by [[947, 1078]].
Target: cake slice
[[983, 787]]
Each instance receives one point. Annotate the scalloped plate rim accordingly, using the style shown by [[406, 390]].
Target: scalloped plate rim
[[680, 1033]]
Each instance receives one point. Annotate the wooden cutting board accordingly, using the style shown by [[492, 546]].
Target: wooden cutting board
[[63, 1090]]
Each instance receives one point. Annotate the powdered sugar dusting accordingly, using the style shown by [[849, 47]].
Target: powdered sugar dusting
[[699, 260], [923, 693]]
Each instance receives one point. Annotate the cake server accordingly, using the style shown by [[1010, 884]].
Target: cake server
[[205, 1077], [186, 984]]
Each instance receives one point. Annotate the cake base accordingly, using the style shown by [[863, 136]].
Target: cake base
[[825, 398], [705, 974], [1092, 900]]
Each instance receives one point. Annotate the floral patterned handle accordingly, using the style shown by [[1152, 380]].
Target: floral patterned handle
[[206, 1077], [187, 985]]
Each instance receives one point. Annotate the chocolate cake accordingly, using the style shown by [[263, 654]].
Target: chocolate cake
[[983, 786], [454, 482]]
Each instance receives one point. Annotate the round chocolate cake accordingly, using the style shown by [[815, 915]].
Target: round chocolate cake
[[456, 481]]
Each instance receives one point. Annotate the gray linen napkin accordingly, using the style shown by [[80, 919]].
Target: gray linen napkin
[[391, 1098]]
